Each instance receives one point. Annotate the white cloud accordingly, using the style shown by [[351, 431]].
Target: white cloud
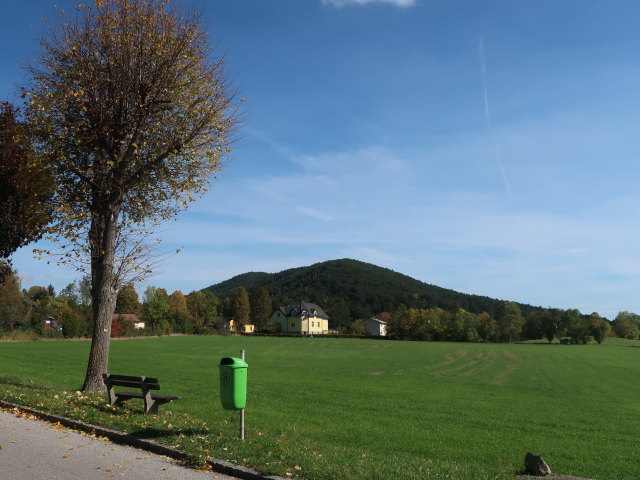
[[315, 214], [397, 3]]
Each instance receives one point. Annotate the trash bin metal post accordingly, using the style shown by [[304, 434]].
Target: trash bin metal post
[[242, 411]]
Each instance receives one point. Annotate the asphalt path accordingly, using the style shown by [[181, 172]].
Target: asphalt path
[[33, 449]]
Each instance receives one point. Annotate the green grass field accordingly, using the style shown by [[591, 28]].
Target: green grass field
[[356, 409]]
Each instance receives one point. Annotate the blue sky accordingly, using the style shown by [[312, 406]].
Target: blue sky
[[490, 147]]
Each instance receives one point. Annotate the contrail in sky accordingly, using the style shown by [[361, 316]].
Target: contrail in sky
[[496, 144]]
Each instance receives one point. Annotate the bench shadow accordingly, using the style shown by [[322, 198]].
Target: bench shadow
[[4, 380]]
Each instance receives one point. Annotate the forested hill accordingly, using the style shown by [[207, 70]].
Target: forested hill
[[349, 289]]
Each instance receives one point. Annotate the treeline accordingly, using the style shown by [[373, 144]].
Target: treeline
[[507, 325], [202, 312], [27, 311], [71, 314]]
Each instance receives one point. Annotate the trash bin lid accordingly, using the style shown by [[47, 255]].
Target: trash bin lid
[[233, 362]]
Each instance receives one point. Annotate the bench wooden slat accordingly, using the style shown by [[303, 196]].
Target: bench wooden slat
[[128, 378], [151, 401], [128, 384], [166, 398]]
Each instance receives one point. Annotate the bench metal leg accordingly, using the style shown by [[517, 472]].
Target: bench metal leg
[[150, 405]]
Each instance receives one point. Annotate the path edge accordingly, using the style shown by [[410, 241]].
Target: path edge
[[217, 465]]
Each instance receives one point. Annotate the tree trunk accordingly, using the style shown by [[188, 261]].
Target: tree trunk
[[104, 293]]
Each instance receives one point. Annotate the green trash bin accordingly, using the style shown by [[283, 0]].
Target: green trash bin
[[233, 383]]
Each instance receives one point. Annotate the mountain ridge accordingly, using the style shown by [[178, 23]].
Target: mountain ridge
[[349, 289]]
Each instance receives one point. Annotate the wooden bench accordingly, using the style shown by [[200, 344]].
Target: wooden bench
[[144, 384]]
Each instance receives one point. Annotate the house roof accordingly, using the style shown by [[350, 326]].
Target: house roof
[[127, 317], [381, 322], [295, 309]]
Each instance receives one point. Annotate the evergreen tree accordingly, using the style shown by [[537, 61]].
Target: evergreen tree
[[70, 292], [211, 315]]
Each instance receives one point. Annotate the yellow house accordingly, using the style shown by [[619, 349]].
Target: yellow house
[[301, 318], [246, 328]]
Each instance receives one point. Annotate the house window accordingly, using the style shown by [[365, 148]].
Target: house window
[[293, 324]]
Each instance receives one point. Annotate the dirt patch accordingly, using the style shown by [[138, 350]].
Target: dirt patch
[[501, 377], [509, 354], [474, 370], [464, 366]]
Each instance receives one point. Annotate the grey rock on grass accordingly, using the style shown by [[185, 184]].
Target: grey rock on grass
[[535, 465]]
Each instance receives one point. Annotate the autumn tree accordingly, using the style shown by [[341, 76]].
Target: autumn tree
[[261, 307], [178, 312], [240, 306], [25, 188], [197, 307], [128, 300], [71, 320], [598, 327], [133, 118]]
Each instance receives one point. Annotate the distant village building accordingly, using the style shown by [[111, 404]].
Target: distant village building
[[300, 318], [246, 328], [128, 318], [375, 327], [51, 322]]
